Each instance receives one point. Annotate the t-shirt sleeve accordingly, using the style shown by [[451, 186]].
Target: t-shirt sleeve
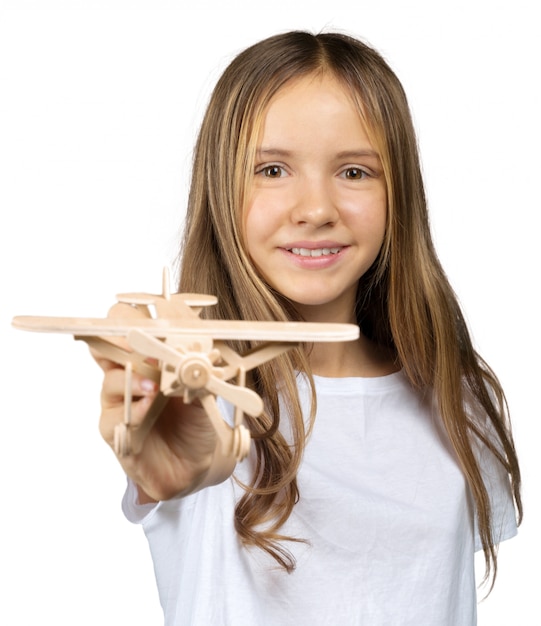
[[504, 523], [135, 512], [497, 482]]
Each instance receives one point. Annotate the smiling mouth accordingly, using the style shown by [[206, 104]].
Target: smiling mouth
[[314, 253]]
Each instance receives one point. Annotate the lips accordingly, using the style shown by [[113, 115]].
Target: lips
[[314, 252]]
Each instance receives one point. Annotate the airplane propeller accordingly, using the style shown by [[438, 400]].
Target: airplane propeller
[[194, 371]]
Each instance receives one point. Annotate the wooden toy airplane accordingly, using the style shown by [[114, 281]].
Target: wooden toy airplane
[[163, 338]]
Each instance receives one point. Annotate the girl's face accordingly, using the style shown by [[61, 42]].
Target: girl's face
[[316, 212]]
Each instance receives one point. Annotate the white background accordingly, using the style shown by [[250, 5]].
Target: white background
[[99, 106]]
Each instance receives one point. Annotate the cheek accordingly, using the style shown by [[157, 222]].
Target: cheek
[[261, 220], [377, 213], [378, 222], [367, 217], [249, 226], [254, 233], [255, 229]]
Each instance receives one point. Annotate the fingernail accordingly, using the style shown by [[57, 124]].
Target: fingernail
[[148, 385]]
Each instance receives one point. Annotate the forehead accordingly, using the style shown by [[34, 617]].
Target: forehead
[[306, 90], [312, 107]]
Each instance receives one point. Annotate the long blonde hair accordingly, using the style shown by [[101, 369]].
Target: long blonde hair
[[404, 303]]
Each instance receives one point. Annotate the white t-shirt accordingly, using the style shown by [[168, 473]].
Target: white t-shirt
[[384, 508]]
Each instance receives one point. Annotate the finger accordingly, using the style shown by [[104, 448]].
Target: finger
[[114, 387], [104, 363], [110, 418]]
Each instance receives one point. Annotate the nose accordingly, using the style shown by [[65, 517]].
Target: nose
[[315, 205]]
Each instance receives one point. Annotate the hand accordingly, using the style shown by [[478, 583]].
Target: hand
[[177, 455]]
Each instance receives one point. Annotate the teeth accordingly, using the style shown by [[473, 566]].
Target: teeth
[[316, 252]]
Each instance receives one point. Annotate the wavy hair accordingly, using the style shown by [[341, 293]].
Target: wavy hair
[[404, 301]]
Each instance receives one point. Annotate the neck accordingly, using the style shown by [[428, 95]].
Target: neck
[[360, 358]]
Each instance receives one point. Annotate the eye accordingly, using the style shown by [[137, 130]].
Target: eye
[[354, 173], [271, 171]]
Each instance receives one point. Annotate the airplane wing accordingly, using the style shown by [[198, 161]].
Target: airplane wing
[[218, 329]]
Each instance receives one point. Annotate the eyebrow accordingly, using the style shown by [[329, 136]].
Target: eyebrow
[[345, 154], [352, 154], [273, 152]]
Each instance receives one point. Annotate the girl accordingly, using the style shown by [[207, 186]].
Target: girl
[[379, 466]]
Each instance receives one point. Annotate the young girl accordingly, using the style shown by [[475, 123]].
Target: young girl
[[379, 466]]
